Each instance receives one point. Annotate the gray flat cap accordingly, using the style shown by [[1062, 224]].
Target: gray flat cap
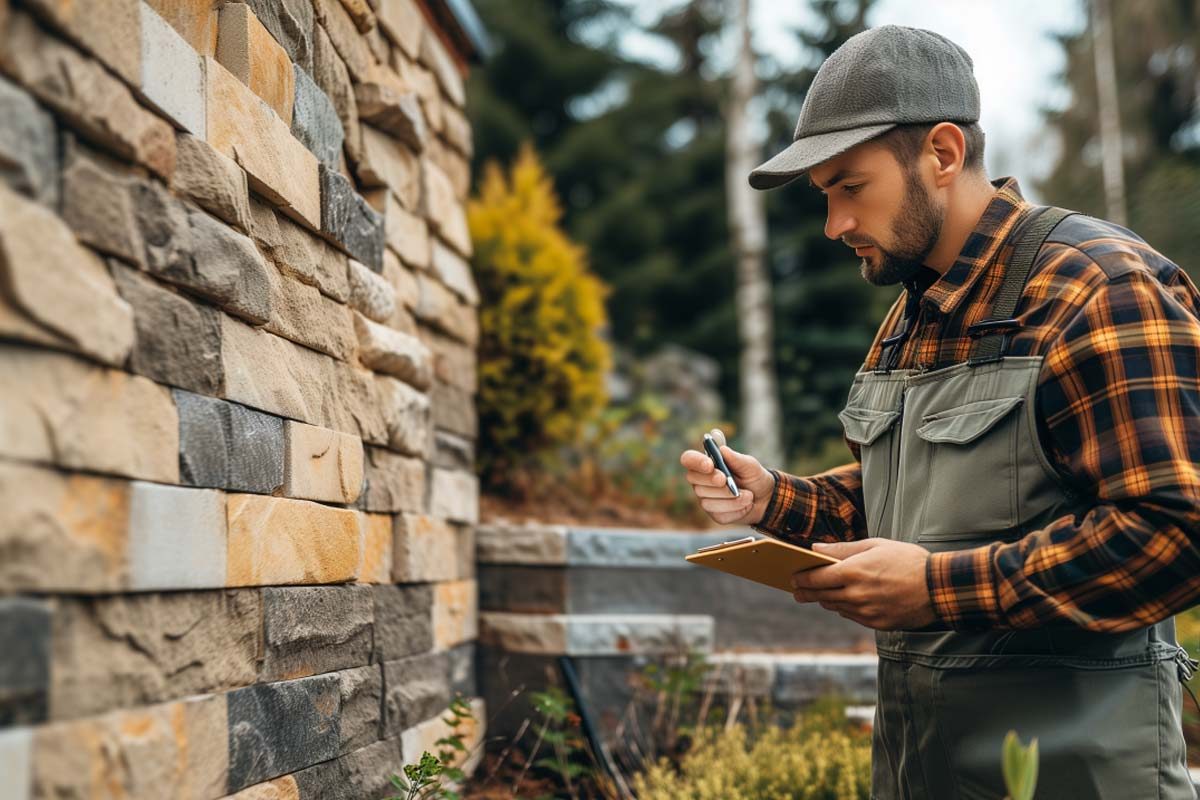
[[878, 79]]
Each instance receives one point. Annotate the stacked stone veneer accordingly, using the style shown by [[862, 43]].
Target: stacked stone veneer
[[237, 367]]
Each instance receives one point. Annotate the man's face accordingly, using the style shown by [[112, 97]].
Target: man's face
[[881, 210]]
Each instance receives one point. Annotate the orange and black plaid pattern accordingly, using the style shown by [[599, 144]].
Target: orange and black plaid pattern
[[1118, 407]]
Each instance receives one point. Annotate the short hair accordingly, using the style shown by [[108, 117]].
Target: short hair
[[905, 142]]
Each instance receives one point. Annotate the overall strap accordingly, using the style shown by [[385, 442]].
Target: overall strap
[[994, 331]]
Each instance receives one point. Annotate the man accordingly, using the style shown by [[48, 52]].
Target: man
[[1022, 517]]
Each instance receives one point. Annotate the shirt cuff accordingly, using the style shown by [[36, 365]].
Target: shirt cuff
[[962, 590]]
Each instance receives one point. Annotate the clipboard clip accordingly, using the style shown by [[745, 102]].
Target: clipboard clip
[[726, 544]]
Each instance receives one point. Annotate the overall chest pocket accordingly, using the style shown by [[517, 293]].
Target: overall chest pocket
[[970, 488], [871, 429]]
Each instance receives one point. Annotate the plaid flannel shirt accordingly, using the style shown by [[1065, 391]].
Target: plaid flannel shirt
[[1118, 409]]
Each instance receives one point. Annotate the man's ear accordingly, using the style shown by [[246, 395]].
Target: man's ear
[[946, 143]]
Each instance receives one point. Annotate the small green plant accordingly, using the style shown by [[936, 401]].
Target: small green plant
[[559, 724], [1020, 767], [423, 780]]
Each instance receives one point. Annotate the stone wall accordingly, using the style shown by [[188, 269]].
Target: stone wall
[[237, 368]]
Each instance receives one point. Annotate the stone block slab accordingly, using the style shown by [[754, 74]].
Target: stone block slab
[[57, 409], [455, 613], [194, 20], [424, 736], [454, 271], [362, 774], [314, 629], [362, 703], [392, 352], [371, 294], [454, 410], [300, 254], [213, 180], [172, 74], [121, 651], [595, 634], [315, 120], [391, 163], [16, 758], [57, 287], [280, 728], [228, 446], [290, 22], [415, 688], [177, 538], [330, 73], [407, 416], [28, 146], [321, 464], [462, 669], [387, 104], [24, 662], [454, 496], [403, 620], [376, 566], [426, 549], [300, 312], [275, 541], [447, 215], [349, 221], [393, 482], [98, 203], [406, 233], [247, 49], [104, 28]]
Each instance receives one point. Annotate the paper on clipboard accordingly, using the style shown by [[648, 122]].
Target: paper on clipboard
[[762, 560]]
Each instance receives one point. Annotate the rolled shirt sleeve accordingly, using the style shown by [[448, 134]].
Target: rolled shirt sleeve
[[827, 507]]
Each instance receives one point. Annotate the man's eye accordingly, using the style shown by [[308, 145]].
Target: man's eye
[[853, 189]]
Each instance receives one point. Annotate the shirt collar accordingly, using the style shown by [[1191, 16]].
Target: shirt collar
[[979, 251]]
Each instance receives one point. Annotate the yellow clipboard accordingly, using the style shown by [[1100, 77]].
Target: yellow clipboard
[[762, 560]]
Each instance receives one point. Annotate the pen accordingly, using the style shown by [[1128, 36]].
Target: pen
[[714, 452]]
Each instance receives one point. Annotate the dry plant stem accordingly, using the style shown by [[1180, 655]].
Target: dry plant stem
[[511, 696], [536, 746], [706, 703], [660, 710], [735, 705]]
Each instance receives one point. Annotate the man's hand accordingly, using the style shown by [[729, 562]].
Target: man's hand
[[755, 486], [880, 583]]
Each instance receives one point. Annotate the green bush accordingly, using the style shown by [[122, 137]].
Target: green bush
[[542, 360], [821, 757]]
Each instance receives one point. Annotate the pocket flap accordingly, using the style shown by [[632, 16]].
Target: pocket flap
[[965, 423], [865, 425]]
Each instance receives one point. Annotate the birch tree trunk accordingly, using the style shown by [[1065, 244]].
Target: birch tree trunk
[[1111, 144], [760, 427]]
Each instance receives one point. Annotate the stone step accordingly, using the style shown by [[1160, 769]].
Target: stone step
[[556, 569]]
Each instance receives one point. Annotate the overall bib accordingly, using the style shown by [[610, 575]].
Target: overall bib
[[951, 460]]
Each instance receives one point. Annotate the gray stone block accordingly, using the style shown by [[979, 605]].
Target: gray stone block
[[313, 629], [224, 445], [453, 452], [291, 23], [360, 775], [187, 247], [177, 342], [279, 728], [414, 689], [348, 220], [315, 121], [98, 203], [529, 589], [403, 620], [362, 703], [462, 670], [24, 660], [28, 146]]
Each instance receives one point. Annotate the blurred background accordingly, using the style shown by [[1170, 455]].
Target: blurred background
[[630, 110]]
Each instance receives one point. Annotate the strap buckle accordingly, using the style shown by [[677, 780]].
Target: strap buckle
[[987, 326]]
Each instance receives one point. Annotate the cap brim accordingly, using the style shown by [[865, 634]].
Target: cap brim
[[805, 153]]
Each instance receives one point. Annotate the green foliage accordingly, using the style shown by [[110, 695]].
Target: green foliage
[[423, 780], [542, 360], [559, 730], [820, 757], [1020, 767]]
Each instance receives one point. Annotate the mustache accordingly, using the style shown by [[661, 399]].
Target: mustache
[[850, 243]]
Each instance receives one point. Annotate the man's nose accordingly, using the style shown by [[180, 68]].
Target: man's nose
[[838, 225]]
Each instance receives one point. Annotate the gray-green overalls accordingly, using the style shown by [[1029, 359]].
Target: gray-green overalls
[[951, 460]]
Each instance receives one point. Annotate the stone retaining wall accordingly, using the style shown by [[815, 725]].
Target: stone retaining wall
[[237, 376]]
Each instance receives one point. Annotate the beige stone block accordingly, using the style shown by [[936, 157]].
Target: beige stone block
[[242, 126], [392, 352], [58, 409], [108, 29], [360, 11], [454, 410], [453, 362], [330, 73], [321, 464], [213, 180], [445, 213], [300, 312], [98, 105], [371, 294], [407, 233], [284, 788], [425, 735], [456, 166], [425, 84], [437, 58], [61, 532], [455, 613], [298, 253], [134, 754], [394, 482], [407, 412], [403, 22], [407, 291], [248, 51], [389, 105], [454, 495], [377, 543], [346, 38], [272, 374], [62, 287], [275, 541], [389, 162], [426, 550], [457, 131], [194, 20], [123, 650]]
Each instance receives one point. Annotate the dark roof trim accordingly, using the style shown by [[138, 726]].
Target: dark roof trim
[[459, 21]]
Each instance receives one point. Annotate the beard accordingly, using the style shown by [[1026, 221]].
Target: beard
[[915, 231]]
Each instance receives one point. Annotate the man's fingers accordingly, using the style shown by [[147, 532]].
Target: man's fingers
[[728, 505], [846, 549], [818, 578], [696, 461]]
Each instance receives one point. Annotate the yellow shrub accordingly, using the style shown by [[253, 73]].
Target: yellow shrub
[[819, 758], [542, 360]]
